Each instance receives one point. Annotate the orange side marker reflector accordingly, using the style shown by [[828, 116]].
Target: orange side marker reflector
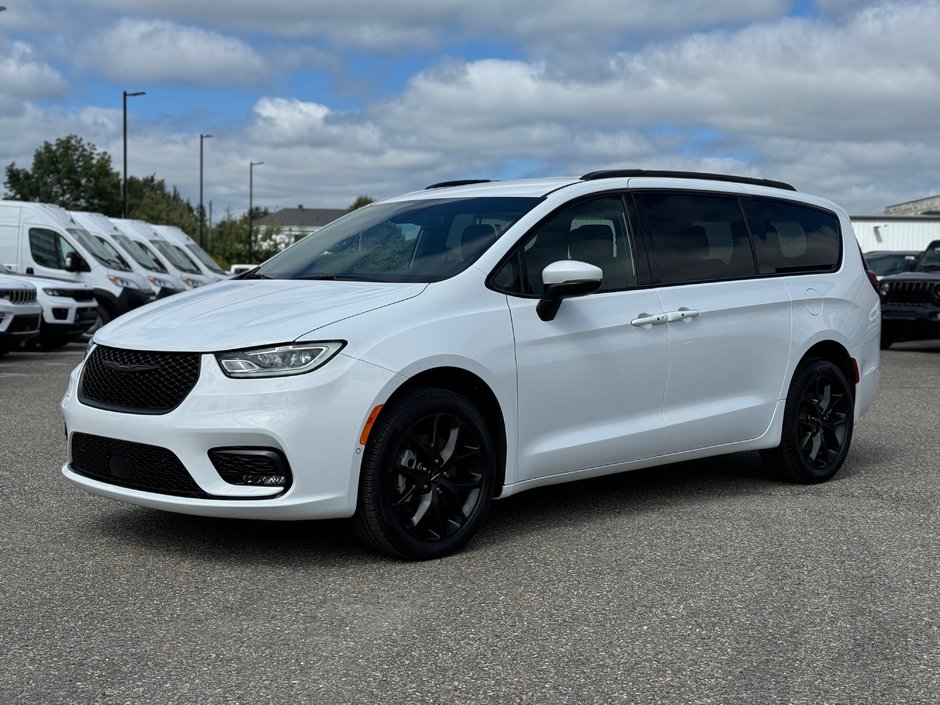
[[367, 429]]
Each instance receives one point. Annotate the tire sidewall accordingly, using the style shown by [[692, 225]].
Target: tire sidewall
[[382, 448], [804, 377]]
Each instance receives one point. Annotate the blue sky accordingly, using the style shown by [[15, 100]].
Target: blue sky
[[338, 99]]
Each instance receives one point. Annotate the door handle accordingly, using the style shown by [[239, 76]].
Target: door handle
[[681, 314], [646, 319]]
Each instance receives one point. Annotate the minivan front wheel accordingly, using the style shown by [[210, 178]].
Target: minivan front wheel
[[817, 424], [427, 476]]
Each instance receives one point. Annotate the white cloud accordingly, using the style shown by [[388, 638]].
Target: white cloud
[[23, 77], [409, 24], [158, 51], [845, 109]]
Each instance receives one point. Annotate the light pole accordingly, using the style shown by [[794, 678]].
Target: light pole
[[202, 217], [124, 183], [251, 203]]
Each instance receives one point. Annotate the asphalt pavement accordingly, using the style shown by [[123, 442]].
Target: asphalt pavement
[[701, 582]]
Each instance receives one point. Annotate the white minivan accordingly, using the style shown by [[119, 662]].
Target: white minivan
[[203, 259], [170, 255], [137, 257], [45, 241], [415, 359]]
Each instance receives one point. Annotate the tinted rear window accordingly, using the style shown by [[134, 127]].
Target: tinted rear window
[[794, 238], [695, 237]]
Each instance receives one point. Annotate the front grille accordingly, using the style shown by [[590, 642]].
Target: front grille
[[137, 382], [19, 296], [134, 465], [912, 293]]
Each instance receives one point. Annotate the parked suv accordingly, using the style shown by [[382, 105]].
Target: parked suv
[[420, 356], [69, 308], [910, 301], [19, 313]]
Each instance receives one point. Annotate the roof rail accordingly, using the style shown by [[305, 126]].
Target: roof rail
[[459, 182], [615, 173]]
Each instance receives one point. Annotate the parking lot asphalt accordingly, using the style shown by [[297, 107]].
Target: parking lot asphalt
[[701, 582]]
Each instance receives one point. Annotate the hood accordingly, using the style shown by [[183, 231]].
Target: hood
[[11, 281], [40, 282], [913, 276], [245, 313]]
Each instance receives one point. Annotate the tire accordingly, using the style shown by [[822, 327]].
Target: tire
[[427, 476], [817, 424], [105, 316], [886, 339], [53, 342]]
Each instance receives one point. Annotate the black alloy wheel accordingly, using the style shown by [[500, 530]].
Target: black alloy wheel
[[427, 476], [817, 424]]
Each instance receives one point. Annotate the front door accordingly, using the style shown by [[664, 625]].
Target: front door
[[590, 381]]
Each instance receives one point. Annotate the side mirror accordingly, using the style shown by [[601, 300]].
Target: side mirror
[[74, 262], [563, 280]]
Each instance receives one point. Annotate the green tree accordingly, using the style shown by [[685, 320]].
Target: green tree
[[359, 203], [149, 199], [70, 173]]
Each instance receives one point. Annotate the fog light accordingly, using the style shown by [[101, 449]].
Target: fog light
[[258, 467]]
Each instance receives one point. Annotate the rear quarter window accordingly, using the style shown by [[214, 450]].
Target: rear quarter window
[[792, 238]]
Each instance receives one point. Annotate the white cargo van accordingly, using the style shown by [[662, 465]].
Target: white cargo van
[[202, 258], [19, 313], [69, 309], [45, 241], [138, 257], [173, 258]]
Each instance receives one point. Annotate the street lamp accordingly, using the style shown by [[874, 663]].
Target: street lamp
[[124, 183], [251, 203], [202, 218]]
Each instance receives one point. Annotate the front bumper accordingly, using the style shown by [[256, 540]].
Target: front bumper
[[911, 322], [315, 420]]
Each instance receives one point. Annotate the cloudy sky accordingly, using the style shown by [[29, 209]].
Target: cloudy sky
[[376, 97]]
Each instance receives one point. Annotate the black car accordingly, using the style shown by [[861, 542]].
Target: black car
[[910, 301], [886, 262]]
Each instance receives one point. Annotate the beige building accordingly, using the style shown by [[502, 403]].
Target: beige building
[[922, 206]]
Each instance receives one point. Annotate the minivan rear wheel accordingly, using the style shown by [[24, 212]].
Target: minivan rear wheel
[[427, 476], [817, 424]]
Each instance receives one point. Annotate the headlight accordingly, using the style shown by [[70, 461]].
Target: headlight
[[58, 292], [122, 282], [191, 283], [279, 360], [885, 286], [160, 283]]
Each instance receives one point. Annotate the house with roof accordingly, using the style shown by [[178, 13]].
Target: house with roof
[[294, 224]]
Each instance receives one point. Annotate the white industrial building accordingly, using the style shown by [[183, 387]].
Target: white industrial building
[[887, 232]]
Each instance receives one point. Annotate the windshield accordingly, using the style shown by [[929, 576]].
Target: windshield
[[112, 251], [205, 258], [176, 256], [404, 241], [97, 251], [930, 260], [882, 265], [140, 253]]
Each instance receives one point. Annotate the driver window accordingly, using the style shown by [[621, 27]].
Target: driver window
[[46, 248], [592, 231]]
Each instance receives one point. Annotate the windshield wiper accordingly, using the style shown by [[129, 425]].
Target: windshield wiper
[[339, 278], [251, 274]]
